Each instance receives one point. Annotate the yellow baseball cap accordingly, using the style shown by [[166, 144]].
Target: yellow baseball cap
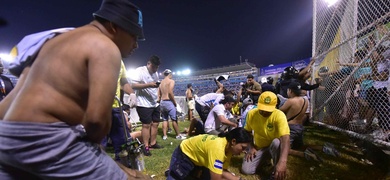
[[267, 101]]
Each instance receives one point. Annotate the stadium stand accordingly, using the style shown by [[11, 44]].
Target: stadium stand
[[203, 80]]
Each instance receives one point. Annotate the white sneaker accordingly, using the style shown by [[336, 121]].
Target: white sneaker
[[165, 137], [180, 137]]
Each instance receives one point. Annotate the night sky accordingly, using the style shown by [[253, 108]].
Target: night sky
[[194, 34]]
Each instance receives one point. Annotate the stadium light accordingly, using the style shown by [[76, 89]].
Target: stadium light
[[186, 72], [331, 2], [179, 73], [130, 72], [5, 57]]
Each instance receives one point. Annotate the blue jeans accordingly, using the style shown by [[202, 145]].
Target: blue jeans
[[117, 132]]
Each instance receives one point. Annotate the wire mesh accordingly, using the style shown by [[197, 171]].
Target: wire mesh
[[351, 48]]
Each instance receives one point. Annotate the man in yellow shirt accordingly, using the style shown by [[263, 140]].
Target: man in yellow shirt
[[271, 136], [208, 156], [119, 132]]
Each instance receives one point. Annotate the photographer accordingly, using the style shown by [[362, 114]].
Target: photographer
[[251, 88]]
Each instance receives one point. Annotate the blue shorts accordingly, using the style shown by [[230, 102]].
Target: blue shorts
[[52, 151], [168, 110]]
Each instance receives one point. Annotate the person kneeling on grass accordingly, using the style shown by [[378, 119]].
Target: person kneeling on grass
[[208, 156]]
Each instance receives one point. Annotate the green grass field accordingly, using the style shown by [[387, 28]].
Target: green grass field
[[351, 164]]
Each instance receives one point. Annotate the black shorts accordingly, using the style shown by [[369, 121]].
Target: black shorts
[[149, 115]]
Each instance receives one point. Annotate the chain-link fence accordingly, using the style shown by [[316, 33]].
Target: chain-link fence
[[351, 48]]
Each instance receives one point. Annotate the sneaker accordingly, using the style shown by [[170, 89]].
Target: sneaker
[[165, 137], [329, 149], [311, 155], [147, 152], [169, 130], [180, 137], [156, 146]]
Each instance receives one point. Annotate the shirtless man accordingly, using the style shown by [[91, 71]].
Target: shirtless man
[[295, 110], [60, 110], [190, 101], [168, 104]]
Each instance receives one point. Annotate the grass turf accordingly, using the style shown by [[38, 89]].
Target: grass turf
[[351, 164]]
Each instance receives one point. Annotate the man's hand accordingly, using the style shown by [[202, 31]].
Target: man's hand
[[154, 84], [251, 154], [280, 170], [132, 100]]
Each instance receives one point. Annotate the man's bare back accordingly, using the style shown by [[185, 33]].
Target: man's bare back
[[71, 82], [294, 106], [75, 74], [166, 89], [189, 94]]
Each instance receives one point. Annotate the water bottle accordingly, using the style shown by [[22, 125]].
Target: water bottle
[[140, 163]]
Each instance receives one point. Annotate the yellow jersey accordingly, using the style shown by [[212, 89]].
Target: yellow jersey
[[208, 151], [122, 74], [266, 128]]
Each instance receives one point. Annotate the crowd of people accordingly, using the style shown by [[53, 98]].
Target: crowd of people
[[42, 141], [361, 101]]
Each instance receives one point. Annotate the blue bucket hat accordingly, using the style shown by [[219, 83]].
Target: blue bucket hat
[[124, 14]]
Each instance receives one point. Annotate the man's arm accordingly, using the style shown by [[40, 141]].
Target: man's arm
[[281, 166], [215, 176], [306, 69], [229, 176], [286, 106], [126, 87], [144, 86], [223, 120], [103, 75], [159, 95], [170, 93]]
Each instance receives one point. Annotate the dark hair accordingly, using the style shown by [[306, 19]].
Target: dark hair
[[155, 60], [226, 92], [295, 88], [270, 80], [240, 134], [189, 85], [228, 99]]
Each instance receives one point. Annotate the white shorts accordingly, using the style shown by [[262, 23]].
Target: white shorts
[[191, 104]]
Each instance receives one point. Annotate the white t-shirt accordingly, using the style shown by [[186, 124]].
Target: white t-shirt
[[210, 98], [145, 97], [212, 121]]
